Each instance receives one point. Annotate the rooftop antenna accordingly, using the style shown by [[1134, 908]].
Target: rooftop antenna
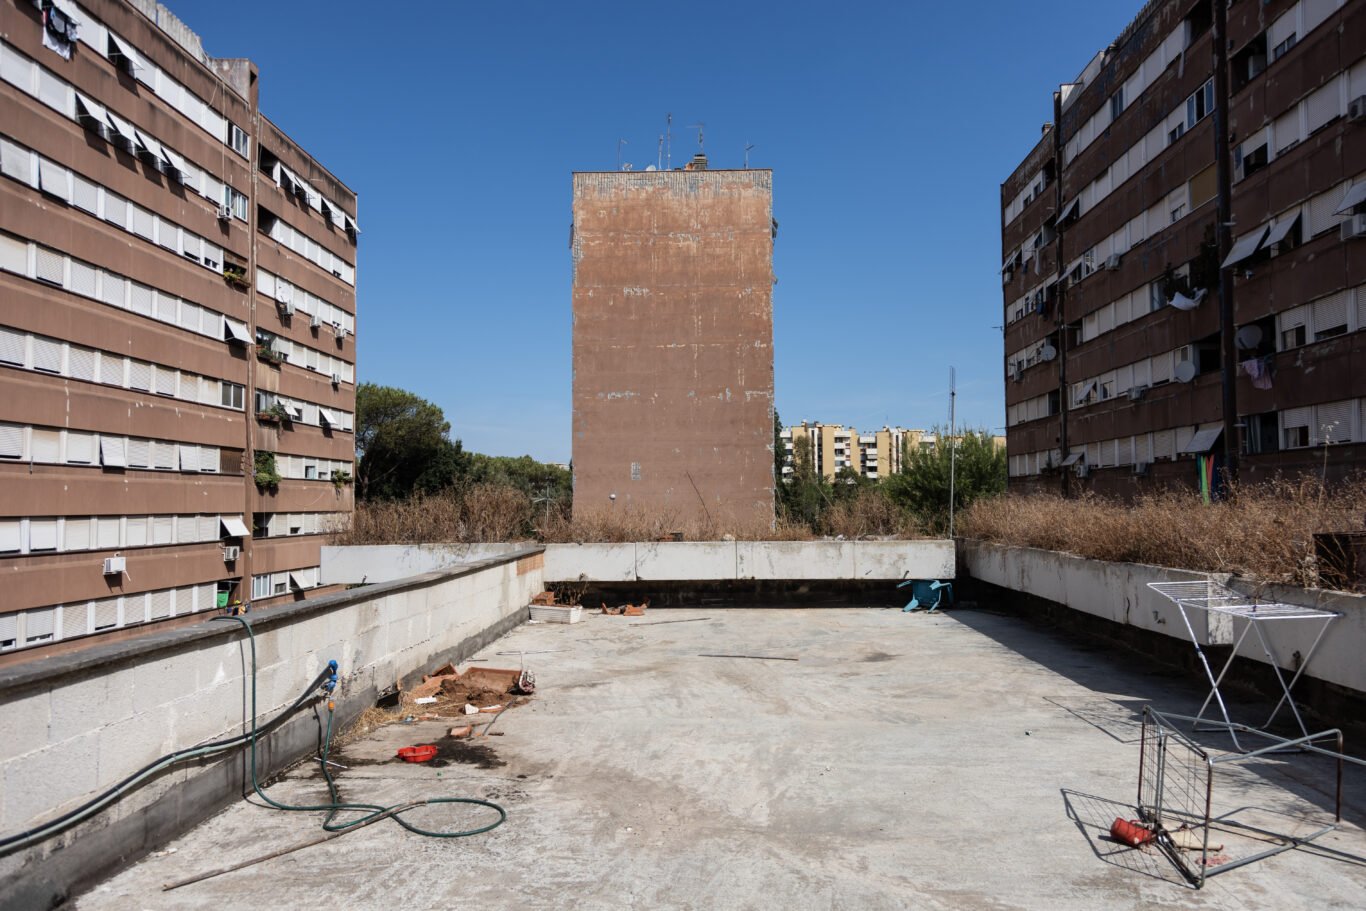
[[620, 143], [669, 142], [699, 126], [747, 148], [659, 156], [953, 445]]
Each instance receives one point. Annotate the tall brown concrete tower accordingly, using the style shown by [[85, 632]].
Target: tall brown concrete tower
[[673, 345]]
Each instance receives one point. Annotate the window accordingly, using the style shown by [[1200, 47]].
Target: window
[[1178, 213], [1117, 104], [1292, 338], [1283, 48], [231, 395], [235, 201], [1177, 132], [1199, 105], [260, 586], [1248, 163], [239, 141]]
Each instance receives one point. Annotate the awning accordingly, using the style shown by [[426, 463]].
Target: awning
[[93, 109], [233, 527], [1356, 195], [120, 127], [1087, 388], [1069, 210], [1073, 458], [1181, 302], [235, 332], [327, 417], [296, 580], [148, 144], [1281, 229], [1244, 248], [350, 224], [1011, 262], [1204, 439], [112, 452], [124, 50], [171, 158]]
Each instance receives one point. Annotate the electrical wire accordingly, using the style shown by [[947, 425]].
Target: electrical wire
[[326, 680]]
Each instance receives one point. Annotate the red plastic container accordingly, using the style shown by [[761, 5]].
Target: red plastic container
[[1131, 832], [420, 753]]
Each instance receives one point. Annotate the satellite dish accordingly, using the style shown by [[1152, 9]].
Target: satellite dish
[[1184, 372], [1048, 352], [1249, 337]]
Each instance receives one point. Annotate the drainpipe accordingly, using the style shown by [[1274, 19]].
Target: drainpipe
[[1223, 235], [1060, 320]]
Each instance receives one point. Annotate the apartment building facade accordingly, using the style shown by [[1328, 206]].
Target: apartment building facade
[[177, 331], [835, 448], [673, 343], [1185, 255]]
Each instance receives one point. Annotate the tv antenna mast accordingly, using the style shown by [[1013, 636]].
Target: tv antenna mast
[[748, 146], [620, 143], [699, 127], [669, 141], [659, 155], [953, 445]]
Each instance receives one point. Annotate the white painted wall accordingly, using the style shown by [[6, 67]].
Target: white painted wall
[[372, 563], [1119, 592], [713, 560], [85, 730]]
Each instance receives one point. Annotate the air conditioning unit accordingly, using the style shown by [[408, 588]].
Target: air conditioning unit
[[1356, 108], [231, 553], [338, 331], [1082, 469], [316, 321], [225, 213], [1113, 262], [1353, 226], [1015, 372], [336, 379], [1141, 469], [115, 565], [1137, 392], [286, 308]]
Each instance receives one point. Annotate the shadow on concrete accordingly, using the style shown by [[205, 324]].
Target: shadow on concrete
[[1092, 815], [1106, 668]]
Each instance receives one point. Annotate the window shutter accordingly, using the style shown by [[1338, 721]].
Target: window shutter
[[1163, 444], [77, 534], [13, 255], [139, 453], [143, 224], [161, 605], [13, 347], [140, 300], [208, 459], [1327, 416], [165, 381], [135, 531], [163, 530], [134, 609], [10, 539], [54, 180], [113, 291], [140, 376], [45, 446], [189, 457], [81, 363], [47, 354], [40, 625], [106, 614], [106, 532], [165, 307], [1296, 417], [113, 452], [115, 209], [50, 266], [189, 316], [42, 534], [80, 447], [1329, 312], [83, 278], [1321, 106], [111, 369], [85, 195], [163, 455], [11, 441]]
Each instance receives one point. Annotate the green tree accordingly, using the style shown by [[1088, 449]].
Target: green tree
[[403, 445], [922, 485]]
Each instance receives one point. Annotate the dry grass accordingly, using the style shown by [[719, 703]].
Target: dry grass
[[871, 514], [1264, 530], [484, 513]]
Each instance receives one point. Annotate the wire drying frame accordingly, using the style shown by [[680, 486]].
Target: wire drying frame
[[1176, 779]]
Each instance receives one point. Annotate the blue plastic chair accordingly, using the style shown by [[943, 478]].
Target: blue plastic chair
[[928, 594]]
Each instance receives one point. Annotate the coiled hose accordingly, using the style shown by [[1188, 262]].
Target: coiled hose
[[326, 680]]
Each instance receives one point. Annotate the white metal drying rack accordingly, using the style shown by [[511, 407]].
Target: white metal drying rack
[[1216, 598]]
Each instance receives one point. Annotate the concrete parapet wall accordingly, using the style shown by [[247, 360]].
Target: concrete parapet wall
[[1119, 592], [760, 560], [76, 724], [370, 564]]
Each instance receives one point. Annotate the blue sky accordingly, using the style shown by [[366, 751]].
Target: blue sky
[[889, 127]]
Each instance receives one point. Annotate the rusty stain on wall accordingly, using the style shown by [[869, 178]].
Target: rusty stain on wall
[[673, 344]]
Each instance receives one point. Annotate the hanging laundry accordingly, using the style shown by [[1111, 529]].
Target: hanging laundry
[[59, 31], [1259, 369], [1181, 302]]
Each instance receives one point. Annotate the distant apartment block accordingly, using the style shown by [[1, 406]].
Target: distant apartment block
[[1135, 219], [177, 330], [673, 343], [835, 448]]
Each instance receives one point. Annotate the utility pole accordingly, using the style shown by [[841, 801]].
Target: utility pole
[[1228, 348], [953, 446]]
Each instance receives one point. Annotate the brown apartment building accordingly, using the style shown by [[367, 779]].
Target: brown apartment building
[[177, 330], [1190, 174], [673, 344]]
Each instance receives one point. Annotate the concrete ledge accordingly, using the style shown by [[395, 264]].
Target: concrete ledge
[[77, 723], [706, 561], [1119, 592], [372, 563]]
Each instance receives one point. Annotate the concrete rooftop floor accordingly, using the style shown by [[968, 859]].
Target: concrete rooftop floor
[[959, 761]]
